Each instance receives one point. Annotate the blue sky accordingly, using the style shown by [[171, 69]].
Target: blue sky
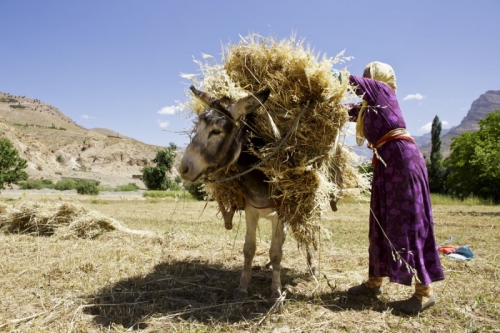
[[117, 63]]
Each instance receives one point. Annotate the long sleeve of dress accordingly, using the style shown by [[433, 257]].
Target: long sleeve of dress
[[353, 111], [365, 88]]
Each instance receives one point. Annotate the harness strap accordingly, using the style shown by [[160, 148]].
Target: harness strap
[[227, 144], [395, 134]]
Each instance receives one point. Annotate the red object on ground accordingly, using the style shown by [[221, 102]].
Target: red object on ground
[[447, 249]]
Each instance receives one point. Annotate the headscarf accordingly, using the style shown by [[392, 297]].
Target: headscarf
[[380, 72]]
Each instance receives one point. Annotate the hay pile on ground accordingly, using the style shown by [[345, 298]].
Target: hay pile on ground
[[63, 220], [313, 165]]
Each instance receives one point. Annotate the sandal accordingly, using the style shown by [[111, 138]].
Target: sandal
[[413, 305]]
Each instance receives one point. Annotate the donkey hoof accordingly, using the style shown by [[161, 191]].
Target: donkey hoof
[[275, 295], [240, 294]]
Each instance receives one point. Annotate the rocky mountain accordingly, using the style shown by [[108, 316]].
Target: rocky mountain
[[486, 103], [56, 147]]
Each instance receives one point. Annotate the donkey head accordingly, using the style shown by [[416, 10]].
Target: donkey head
[[218, 134]]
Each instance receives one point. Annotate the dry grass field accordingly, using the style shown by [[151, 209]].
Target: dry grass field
[[182, 280]]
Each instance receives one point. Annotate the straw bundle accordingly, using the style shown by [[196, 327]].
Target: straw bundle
[[313, 165], [65, 220]]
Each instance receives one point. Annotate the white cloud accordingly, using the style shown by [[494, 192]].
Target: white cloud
[[163, 124], [168, 110], [86, 116], [428, 127], [414, 96]]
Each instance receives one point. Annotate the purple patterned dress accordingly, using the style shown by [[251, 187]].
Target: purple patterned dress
[[400, 202]]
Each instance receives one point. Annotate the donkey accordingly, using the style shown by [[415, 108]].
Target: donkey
[[221, 139]]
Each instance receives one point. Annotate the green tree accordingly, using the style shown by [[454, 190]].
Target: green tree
[[474, 163], [11, 165], [436, 169], [166, 157], [156, 178]]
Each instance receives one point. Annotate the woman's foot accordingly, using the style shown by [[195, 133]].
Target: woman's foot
[[414, 305]]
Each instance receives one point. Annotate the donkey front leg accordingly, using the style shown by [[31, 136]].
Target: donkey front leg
[[251, 218], [276, 254]]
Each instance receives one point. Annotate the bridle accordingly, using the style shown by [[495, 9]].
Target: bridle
[[235, 131]]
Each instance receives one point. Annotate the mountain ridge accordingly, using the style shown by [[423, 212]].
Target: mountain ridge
[[56, 147]]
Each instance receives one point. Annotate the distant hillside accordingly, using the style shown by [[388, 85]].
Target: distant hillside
[[23, 110], [109, 133], [425, 140], [486, 103], [56, 146]]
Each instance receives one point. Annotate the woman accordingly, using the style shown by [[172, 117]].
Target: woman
[[401, 234]]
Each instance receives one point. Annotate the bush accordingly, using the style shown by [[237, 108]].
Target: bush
[[175, 186], [36, 184], [59, 159], [65, 184], [130, 187], [87, 187], [196, 190]]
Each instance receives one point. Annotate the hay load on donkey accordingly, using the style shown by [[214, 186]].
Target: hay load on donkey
[[296, 136]]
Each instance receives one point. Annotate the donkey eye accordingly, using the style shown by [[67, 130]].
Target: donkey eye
[[214, 132]]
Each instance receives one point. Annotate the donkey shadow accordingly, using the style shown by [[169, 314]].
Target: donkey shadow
[[202, 291], [185, 289]]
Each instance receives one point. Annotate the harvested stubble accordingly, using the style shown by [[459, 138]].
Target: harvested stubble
[[313, 165], [63, 220]]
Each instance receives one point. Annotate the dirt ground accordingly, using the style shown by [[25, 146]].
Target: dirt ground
[[182, 279]]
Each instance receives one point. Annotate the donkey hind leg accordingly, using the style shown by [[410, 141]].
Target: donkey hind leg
[[251, 219], [276, 254]]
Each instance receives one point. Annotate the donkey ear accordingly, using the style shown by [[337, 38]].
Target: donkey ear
[[203, 96], [248, 104]]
